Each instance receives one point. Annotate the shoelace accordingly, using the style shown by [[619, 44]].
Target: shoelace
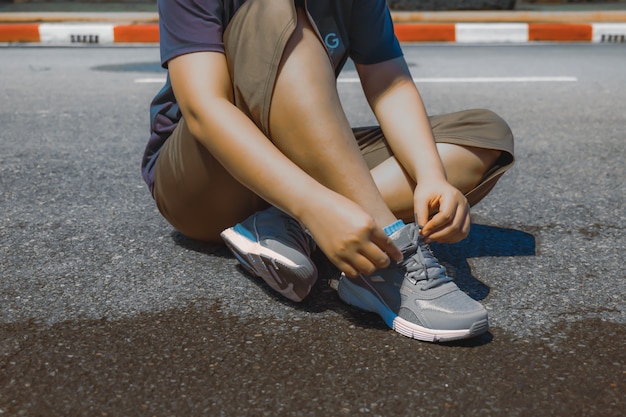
[[423, 266]]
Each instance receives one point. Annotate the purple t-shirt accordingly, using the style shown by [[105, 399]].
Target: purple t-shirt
[[359, 29]]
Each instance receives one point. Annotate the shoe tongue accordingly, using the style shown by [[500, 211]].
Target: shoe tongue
[[405, 237]]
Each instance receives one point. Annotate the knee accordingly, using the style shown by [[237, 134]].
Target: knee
[[495, 124], [492, 131]]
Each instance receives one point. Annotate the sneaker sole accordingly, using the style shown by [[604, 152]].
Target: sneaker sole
[[278, 272], [412, 330], [361, 298]]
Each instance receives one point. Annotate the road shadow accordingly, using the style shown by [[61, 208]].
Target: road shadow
[[199, 246], [150, 67], [483, 241]]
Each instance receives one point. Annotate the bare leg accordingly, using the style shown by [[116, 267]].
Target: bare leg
[[464, 167], [308, 125]]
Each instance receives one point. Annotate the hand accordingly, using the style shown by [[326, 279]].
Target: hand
[[451, 221], [350, 237]]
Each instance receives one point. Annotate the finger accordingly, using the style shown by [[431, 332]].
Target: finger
[[421, 213], [347, 269], [437, 223], [376, 256], [385, 243], [358, 264], [467, 225], [456, 230], [442, 225]]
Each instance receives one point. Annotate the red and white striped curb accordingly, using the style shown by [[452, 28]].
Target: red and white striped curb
[[78, 33], [512, 32], [473, 32]]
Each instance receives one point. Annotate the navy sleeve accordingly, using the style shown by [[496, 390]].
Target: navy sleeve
[[372, 38], [189, 26]]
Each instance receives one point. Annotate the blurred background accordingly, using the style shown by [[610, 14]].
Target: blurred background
[[150, 5]]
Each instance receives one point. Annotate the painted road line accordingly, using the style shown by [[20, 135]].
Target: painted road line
[[19, 32], [501, 16], [511, 32], [425, 32], [76, 33], [547, 32], [433, 80], [491, 32], [136, 33], [549, 79], [609, 32], [154, 80]]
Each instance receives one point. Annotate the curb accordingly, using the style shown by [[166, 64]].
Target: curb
[[58, 34], [59, 29], [511, 32]]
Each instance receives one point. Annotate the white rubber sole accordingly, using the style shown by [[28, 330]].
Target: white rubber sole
[[265, 263], [361, 298], [412, 330]]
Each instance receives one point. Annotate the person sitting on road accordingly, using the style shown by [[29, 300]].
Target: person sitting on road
[[250, 144]]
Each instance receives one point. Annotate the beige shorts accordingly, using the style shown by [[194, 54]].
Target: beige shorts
[[188, 178], [477, 128]]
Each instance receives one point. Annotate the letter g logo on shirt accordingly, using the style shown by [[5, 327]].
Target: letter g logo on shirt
[[331, 40]]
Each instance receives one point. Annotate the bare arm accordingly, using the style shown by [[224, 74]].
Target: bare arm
[[398, 106], [233, 139], [341, 228]]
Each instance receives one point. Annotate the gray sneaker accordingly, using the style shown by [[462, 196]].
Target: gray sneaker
[[274, 246], [416, 297]]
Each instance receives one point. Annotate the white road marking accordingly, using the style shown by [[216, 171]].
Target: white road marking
[[491, 32], [426, 80], [76, 34], [150, 80]]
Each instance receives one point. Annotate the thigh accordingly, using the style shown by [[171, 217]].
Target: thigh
[[255, 42], [195, 193]]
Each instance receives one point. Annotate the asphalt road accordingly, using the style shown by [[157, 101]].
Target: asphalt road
[[105, 310]]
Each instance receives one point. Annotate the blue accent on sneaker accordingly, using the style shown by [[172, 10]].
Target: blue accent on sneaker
[[416, 297], [393, 227], [239, 228]]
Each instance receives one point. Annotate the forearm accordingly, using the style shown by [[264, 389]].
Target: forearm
[[409, 133], [400, 111]]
